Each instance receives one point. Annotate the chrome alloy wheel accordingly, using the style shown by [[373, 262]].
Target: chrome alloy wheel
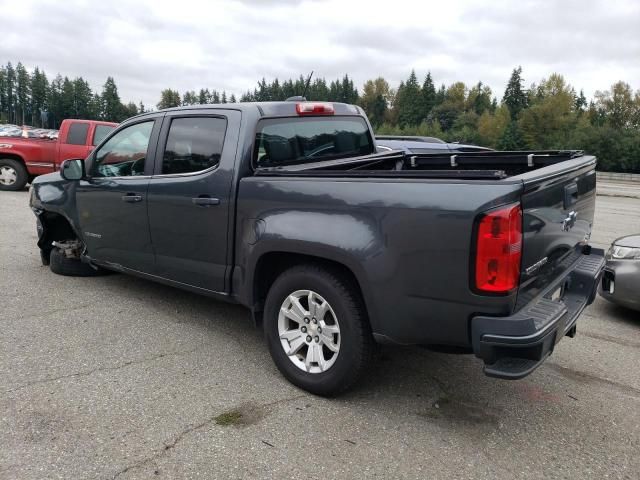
[[309, 331], [8, 175]]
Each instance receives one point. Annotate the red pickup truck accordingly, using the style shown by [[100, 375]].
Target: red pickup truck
[[22, 159]]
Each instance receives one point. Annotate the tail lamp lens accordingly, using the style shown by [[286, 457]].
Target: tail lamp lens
[[499, 250]]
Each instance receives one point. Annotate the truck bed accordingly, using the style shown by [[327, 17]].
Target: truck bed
[[476, 165]]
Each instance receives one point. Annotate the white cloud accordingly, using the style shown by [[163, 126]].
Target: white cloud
[[227, 45]]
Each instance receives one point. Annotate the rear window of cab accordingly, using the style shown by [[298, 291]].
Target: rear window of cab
[[294, 140]]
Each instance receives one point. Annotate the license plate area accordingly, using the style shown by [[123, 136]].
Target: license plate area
[[557, 294]]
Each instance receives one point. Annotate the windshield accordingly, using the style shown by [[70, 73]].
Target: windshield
[[283, 141]]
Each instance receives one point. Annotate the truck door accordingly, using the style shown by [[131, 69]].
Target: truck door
[[112, 201], [74, 143], [189, 196]]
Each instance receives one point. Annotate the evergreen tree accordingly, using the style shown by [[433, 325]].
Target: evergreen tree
[[39, 89], [409, 102], [223, 97], [168, 99], [515, 98], [82, 98], [189, 98], [512, 138], [581, 102], [10, 80], [232, 99], [22, 94], [112, 108], [428, 95]]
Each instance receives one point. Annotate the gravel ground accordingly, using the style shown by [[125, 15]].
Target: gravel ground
[[117, 377]]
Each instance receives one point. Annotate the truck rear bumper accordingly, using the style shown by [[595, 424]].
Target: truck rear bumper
[[512, 347]]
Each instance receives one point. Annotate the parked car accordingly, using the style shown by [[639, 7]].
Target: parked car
[[40, 152], [621, 280], [423, 145], [287, 208]]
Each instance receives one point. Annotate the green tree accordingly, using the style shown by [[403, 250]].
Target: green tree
[[374, 100], [23, 94], [10, 80], [82, 98], [168, 99], [512, 138], [39, 89], [409, 102], [515, 98], [428, 95], [548, 122], [618, 105], [189, 98], [112, 108]]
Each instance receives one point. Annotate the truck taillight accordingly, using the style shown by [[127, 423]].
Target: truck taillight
[[499, 250], [315, 108]]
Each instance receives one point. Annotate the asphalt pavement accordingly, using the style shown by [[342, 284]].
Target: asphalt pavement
[[118, 377]]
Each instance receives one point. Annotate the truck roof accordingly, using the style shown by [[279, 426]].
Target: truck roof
[[265, 109]]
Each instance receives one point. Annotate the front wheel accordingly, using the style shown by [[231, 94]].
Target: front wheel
[[60, 264], [317, 330], [13, 175]]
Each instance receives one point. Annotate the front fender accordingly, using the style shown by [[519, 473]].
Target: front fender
[[51, 193]]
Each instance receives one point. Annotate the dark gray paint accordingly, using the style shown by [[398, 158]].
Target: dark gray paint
[[409, 242]]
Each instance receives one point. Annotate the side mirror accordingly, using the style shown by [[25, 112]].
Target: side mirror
[[73, 169]]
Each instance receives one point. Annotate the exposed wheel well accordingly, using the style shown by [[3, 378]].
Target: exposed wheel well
[[56, 229], [272, 264]]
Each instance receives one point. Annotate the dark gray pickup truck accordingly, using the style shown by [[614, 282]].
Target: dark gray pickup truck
[[290, 209]]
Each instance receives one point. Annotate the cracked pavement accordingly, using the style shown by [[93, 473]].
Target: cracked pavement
[[118, 377]]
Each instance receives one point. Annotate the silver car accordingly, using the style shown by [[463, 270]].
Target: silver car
[[621, 280]]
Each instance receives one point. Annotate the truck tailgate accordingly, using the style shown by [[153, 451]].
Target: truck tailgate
[[558, 205]]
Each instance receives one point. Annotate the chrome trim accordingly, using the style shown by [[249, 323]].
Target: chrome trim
[[189, 174], [39, 164]]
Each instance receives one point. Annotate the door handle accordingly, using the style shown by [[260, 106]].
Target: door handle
[[131, 198], [205, 201]]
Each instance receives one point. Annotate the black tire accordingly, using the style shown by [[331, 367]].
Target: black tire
[[71, 267], [20, 171], [45, 257], [356, 341]]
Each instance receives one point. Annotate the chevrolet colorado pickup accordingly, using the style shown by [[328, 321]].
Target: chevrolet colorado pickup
[[22, 159], [287, 208]]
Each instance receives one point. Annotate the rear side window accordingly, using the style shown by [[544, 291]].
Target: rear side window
[[282, 141], [78, 133], [101, 133], [194, 144]]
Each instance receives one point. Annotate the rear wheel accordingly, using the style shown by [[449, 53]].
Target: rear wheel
[[13, 175], [60, 264], [317, 330]]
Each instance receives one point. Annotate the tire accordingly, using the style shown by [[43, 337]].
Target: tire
[[71, 267], [13, 175], [329, 376], [45, 257]]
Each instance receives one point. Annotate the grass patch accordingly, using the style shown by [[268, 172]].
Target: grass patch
[[232, 417]]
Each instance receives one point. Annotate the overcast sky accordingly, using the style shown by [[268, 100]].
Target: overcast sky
[[188, 44]]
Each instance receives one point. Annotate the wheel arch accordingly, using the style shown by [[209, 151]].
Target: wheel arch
[[55, 227], [13, 156], [271, 264]]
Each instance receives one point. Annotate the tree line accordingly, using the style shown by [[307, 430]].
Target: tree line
[[30, 98], [549, 114]]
